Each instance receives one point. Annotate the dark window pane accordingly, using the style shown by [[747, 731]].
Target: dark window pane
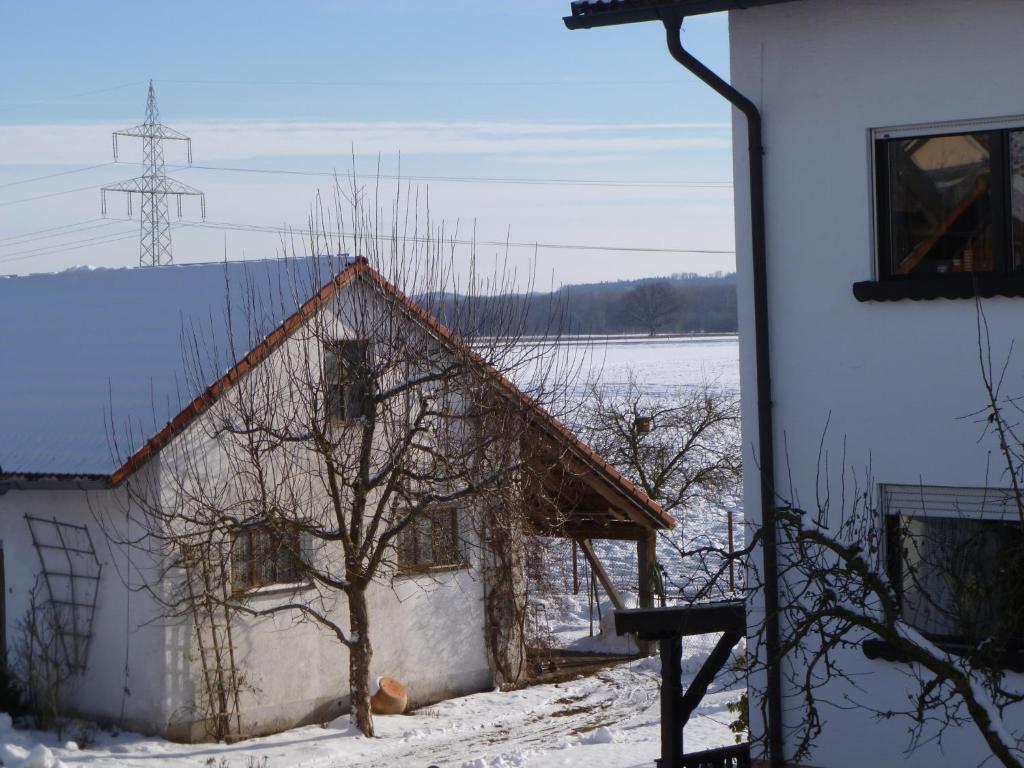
[[1017, 196], [940, 205], [261, 556], [962, 578], [346, 379], [241, 561], [431, 540]]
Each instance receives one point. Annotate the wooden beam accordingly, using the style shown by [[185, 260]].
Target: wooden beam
[[684, 620], [601, 574], [715, 661], [645, 560], [620, 532]]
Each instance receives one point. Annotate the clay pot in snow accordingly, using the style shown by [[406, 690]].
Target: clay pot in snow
[[390, 698]]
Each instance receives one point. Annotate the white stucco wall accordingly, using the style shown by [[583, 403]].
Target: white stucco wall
[[129, 676], [893, 379]]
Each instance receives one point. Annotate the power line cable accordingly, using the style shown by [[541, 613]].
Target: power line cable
[[419, 83], [50, 229], [51, 194], [28, 104], [55, 175], [67, 231], [472, 179], [74, 245], [500, 243]]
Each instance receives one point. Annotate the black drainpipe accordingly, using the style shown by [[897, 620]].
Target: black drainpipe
[[673, 27]]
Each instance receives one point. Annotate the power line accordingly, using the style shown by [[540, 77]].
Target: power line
[[55, 175], [39, 235], [51, 194], [500, 243], [420, 83], [74, 245], [613, 183], [50, 229], [475, 179], [71, 96]]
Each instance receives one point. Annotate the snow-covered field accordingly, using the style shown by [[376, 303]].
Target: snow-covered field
[[609, 720]]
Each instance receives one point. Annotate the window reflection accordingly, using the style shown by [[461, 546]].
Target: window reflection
[[940, 205], [1017, 196]]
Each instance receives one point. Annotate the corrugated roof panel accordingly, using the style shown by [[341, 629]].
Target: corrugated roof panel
[[88, 355]]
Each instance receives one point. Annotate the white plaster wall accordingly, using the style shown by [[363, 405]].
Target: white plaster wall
[[893, 379], [128, 650]]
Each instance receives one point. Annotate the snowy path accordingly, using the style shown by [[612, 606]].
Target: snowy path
[[609, 720]]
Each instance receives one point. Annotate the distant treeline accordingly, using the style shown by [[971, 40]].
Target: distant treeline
[[680, 303]]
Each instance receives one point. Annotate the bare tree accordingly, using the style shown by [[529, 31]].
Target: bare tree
[[651, 305], [360, 438], [679, 447]]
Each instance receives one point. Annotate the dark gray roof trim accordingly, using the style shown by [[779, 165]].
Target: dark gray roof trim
[[39, 481], [604, 13]]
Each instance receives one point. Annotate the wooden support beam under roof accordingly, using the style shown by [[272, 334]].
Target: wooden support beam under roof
[[602, 575]]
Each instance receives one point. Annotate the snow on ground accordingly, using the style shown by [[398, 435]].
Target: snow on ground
[[608, 720]]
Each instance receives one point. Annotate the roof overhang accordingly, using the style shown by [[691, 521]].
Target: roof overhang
[[586, 14]]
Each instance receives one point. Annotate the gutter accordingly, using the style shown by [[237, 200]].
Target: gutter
[[32, 481], [755, 148], [671, 14]]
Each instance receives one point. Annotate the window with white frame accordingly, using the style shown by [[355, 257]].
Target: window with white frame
[[956, 558]]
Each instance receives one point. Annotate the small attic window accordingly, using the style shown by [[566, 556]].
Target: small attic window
[[347, 380]]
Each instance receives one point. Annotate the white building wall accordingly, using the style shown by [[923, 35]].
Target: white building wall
[[892, 380], [125, 678]]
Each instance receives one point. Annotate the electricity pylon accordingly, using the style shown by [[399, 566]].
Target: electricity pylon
[[153, 186]]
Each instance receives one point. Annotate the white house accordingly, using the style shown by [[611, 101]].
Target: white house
[[891, 138], [98, 395]]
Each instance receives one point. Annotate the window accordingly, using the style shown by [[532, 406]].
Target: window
[[347, 382], [431, 540], [950, 214], [261, 556], [956, 556]]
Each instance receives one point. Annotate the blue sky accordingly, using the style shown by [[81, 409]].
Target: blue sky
[[461, 88]]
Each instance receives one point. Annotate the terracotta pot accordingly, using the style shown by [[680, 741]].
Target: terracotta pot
[[390, 698]]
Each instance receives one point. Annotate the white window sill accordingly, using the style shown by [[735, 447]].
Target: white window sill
[[274, 589], [429, 570]]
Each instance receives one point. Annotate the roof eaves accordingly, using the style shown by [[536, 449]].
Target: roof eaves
[[586, 14], [52, 481]]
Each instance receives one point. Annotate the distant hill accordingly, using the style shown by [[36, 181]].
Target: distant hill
[[679, 303]]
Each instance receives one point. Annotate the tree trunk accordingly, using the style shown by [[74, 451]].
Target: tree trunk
[[359, 655]]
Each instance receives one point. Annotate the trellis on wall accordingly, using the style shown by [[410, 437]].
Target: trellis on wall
[[71, 573]]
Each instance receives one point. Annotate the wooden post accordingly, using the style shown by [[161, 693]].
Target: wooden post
[[732, 562], [671, 697], [645, 559]]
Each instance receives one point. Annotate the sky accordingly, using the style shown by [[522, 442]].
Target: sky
[[513, 127]]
